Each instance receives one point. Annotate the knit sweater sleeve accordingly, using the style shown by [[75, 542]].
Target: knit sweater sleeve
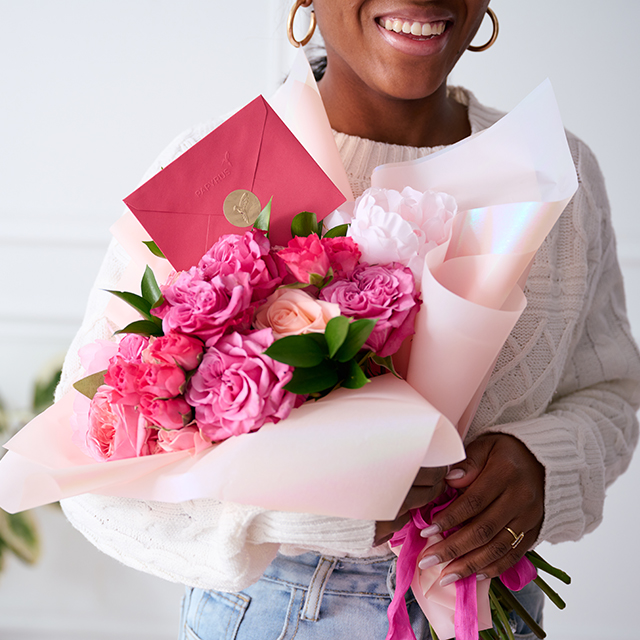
[[202, 543], [567, 383]]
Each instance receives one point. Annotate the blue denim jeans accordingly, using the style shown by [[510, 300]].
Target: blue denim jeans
[[314, 597]]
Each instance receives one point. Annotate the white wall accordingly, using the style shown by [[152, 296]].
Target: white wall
[[90, 92]]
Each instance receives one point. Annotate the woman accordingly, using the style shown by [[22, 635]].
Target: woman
[[556, 424]]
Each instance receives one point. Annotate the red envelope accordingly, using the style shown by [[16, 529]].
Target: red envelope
[[182, 206]]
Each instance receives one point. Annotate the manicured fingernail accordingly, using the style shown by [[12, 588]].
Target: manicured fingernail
[[455, 474], [430, 530], [429, 561], [481, 576], [450, 579]]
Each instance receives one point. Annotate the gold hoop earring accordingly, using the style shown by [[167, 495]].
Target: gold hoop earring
[[292, 17], [494, 35]]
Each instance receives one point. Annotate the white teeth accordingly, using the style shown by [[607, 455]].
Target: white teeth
[[424, 29]]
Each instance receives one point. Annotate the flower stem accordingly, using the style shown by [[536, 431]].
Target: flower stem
[[550, 593], [540, 563], [511, 601]]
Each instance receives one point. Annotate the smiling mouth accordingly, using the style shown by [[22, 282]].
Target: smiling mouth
[[414, 29]]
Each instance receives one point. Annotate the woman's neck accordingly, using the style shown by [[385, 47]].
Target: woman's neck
[[427, 122]]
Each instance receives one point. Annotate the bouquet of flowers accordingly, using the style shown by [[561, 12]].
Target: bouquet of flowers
[[252, 355]]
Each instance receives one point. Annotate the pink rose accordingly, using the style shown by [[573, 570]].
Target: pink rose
[[304, 257], [131, 347], [124, 378], [95, 356], [170, 440], [206, 308], [386, 293], [161, 380], [250, 254], [175, 348], [111, 431], [236, 388], [173, 413], [343, 254], [292, 312]]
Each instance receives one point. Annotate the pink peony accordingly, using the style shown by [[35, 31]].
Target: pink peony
[[173, 413], [110, 431], [236, 388], [207, 308], [175, 348], [292, 312], [304, 257], [170, 440], [250, 254], [343, 254], [386, 293]]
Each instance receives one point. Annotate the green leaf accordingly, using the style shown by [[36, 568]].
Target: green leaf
[[149, 288], [263, 221], [153, 247], [143, 328], [297, 351], [540, 563], [355, 378], [18, 533], [359, 332], [313, 379], [336, 333], [304, 224], [89, 385], [337, 232], [142, 306], [387, 363]]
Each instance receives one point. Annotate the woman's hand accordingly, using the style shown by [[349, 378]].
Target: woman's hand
[[427, 486], [502, 485]]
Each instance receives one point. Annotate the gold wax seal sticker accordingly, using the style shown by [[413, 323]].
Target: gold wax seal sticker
[[241, 208]]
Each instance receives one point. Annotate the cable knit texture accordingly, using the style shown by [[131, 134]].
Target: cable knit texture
[[567, 384]]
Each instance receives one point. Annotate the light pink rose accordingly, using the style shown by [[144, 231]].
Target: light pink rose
[[173, 413], [248, 253], [131, 347], [236, 388], [206, 308], [304, 257], [386, 293], [343, 254], [290, 312], [111, 431], [175, 348], [95, 356], [170, 440]]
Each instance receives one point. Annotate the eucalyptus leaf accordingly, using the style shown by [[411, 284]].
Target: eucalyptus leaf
[[359, 332], [149, 288], [304, 224], [154, 248], [263, 221], [335, 333], [310, 380], [355, 377], [297, 351], [143, 328], [89, 385], [142, 306], [340, 231]]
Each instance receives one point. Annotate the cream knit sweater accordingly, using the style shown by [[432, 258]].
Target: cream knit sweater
[[567, 384]]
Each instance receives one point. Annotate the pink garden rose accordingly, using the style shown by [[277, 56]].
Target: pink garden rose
[[237, 388], [173, 413], [131, 347], [250, 254], [306, 256], [343, 254], [170, 440], [386, 293], [292, 312], [174, 348], [207, 308], [111, 431]]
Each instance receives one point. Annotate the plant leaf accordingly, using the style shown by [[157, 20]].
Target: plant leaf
[[339, 231], [263, 221], [154, 248], [297, 351], [89, 385], [355, 377], [304, 224], [359, 332], [143, 328], [149, 288], [335, 333], [387, 363], [19, 534], [313, 379], [142, 306]]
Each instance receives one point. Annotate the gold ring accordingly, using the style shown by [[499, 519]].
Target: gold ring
[[517, 539]]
